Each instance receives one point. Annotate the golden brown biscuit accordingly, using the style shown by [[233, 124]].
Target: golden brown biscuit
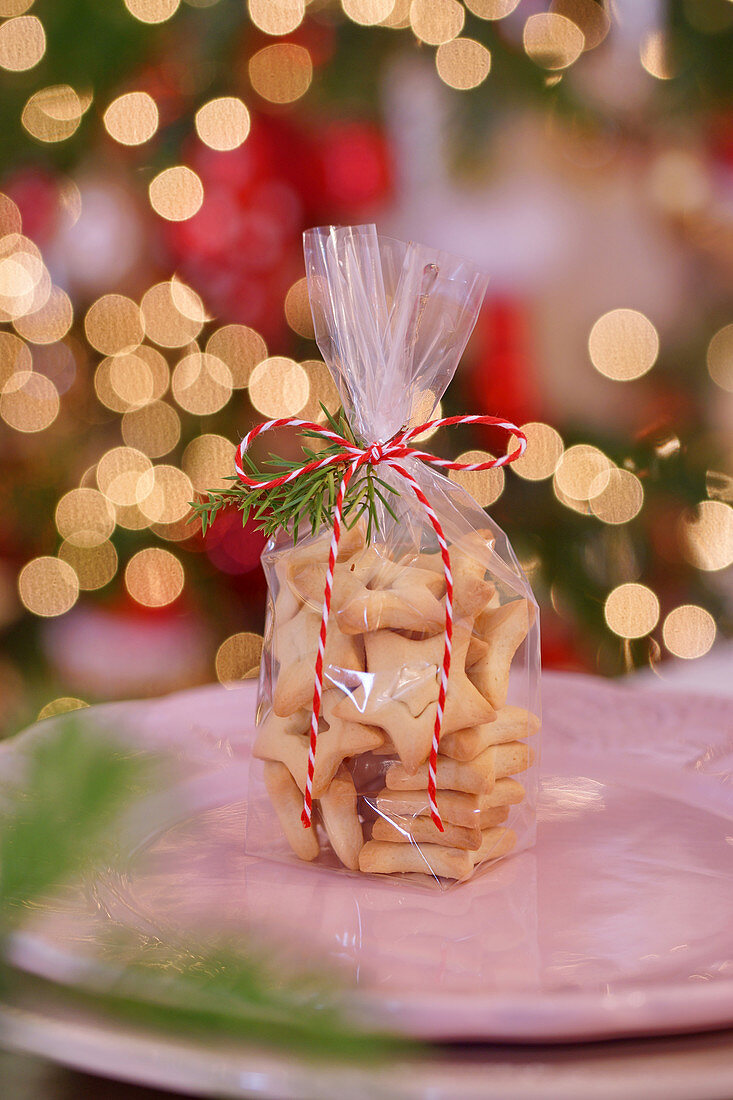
[[341, 820], [455, 807], [511, 724], [385, 857], [472, 776], [288, 804], [506, 629], [295, 645], [336, 742], [422, 830]]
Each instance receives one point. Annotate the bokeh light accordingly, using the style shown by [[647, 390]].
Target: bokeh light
[[164, 493], [208, 460], [54, 113], [282, 72], [201, 384], [173, 314], [276, 16], [238, 658], [278, 387], [720, 358], [95, 566], [620, 499], [118, 474], [125, 382], [15, 355], [8, 8], [492, 9], [113, 325], [48, 587], [631, 610], [485, 486], [689, 631], [152, 11], [590, 17], [154, 577], [241, 348], [323, 391], [153, 429], [176, 194], [552, 40], [22, 43], [656, 55], [707, 535], [63, 705], [462, 63], [436, 21], [49, 323], [223, 123], [368, 12], [544, 451], [84, 517], [29, 402], [132, 119], [583, 472], [623, 344], [298, 310]]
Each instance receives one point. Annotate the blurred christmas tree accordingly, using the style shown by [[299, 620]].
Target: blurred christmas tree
[[161, 161]]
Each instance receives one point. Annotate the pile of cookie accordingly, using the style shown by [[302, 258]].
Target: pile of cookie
[[383, 654]]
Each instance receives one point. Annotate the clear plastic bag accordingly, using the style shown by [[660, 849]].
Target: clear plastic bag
[[392, 320]]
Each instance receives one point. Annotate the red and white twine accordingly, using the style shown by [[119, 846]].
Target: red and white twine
[[353, 456]]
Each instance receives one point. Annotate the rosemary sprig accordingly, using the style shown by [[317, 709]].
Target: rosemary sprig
[[309, 499]]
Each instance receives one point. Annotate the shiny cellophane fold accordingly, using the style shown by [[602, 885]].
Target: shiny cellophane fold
[[392, 320]]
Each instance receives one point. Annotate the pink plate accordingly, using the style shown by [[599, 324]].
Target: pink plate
[[617, 924]]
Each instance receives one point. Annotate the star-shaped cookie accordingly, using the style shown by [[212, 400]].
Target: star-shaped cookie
[[311, 553], [505, 630], [295, 645], [471, 591], [337, 741], [401, 675]]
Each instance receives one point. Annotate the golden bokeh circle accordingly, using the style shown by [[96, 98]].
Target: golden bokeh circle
[[368, 13], [279, 386], [241, 348], [223, 123], [201, 384], [118, 474], [552, 41], [154, 577], [8, 8], [15, 355], [48, 587], [689, 631], [64, 705], [209, 461], [173, 314], [583, 472], [282, 72], [707, 535], [544, 451], [276, 16], [590, 17], [113, 325], [84, 517], [656, 55], [22, 43], [631, 610], [164, 494], [620, 499], [154, 429], [53, 113], [132, 119], [492, 9], [322, 391], [133, 374], [485, 486], [11, 222], [152, 11], [94, 566], [238, 658], [298, 309], [436, 21], [720, 358], [462, 63], [51, 322], [29, 402], [623, 344], [176, 194]]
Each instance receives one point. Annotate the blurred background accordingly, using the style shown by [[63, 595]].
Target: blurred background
[[159, 160]]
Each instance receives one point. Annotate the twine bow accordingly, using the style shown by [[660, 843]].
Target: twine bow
[[353, 457]]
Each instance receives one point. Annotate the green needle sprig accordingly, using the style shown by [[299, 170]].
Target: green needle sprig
[[310, 499]]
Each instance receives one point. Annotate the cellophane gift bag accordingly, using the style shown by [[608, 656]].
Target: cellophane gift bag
[[392, 320]]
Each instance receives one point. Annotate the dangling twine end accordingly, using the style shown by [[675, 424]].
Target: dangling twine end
[[305, 817]]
